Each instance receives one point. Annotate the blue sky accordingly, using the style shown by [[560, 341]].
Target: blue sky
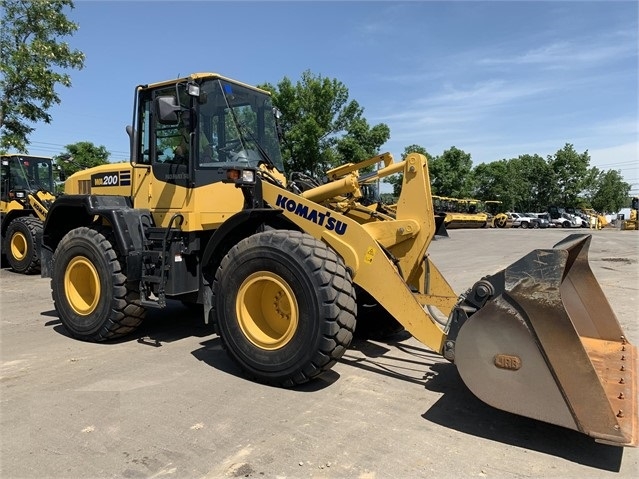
[[495, 79]]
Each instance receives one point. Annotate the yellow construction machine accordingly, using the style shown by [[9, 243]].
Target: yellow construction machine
[[282, 268], [26, 192], [460, 213], [632, 223], [497, 218]]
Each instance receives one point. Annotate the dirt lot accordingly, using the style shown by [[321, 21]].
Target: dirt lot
[[167, 402]]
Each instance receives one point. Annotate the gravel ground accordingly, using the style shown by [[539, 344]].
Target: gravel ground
[[167, 401]]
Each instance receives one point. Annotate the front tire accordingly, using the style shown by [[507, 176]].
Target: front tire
[[284, 306], [23, 237], [90, 291]]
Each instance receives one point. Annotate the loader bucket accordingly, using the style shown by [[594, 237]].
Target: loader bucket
[[540, 339]]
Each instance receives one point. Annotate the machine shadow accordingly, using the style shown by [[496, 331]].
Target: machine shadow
[[173, 323], [460, 410], [212, 353], [176, 322]]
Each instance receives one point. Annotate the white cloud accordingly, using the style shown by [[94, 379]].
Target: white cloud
[[590, 52]]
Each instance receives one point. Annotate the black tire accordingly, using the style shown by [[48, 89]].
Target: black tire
[[296, 304], [24, 236], [565, 224], [90, 291], [524, 224], [535, 225]]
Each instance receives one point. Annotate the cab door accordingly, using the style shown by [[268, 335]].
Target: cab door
[[161, 176]]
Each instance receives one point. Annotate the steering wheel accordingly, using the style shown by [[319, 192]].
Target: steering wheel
[[230, 146]]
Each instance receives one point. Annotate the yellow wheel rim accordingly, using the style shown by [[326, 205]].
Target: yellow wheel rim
[[19, 246], [82, 285], [267, 310]]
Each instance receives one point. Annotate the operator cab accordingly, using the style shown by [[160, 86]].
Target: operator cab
[[23, 174], [191, 131]]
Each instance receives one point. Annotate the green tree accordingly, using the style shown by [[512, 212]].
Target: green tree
[[531, 183], [451, 174], [493, 182], [611, 192], [322, 128], [32, 62], [569, 172], [81, 155]]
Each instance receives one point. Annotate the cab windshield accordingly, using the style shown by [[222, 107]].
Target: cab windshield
[[236, 125], [27, 173]]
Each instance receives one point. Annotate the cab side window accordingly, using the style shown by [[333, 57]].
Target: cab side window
[[144, 149]]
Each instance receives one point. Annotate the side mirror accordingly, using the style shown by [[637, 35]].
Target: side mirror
[[167, 109], [277, 114]]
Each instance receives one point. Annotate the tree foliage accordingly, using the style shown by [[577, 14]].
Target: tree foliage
[[451, 174], [491, 185], [322, 128], [610, 192], [81, 155], [569, 171], [526, 183], [33, 60], [532, 183]]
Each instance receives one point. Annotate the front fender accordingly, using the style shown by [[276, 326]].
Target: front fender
[[73, 211]]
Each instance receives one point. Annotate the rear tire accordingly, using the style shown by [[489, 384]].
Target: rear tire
[[23, 237], [284, 306], [90, 291], [524, 225]]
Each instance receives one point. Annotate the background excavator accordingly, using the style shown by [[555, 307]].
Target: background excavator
[[26, 192], [285, 270]]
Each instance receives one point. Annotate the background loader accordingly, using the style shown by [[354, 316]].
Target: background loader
[[285, 270], [26, 192], [632, 223]]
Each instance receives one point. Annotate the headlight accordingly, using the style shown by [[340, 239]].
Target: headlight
[[248, 176], [241, 177]]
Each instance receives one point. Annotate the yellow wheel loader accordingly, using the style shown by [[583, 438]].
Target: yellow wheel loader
[[632, 223], [25, 196], [204, 213]]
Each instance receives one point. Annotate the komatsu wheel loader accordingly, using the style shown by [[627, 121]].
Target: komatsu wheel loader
[[26, 193], [203, 213]]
